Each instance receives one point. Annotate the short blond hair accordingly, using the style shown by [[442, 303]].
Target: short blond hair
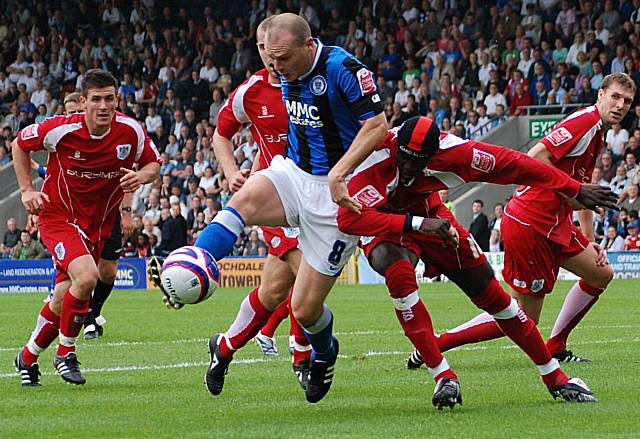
[[620, 78], [72, 97]]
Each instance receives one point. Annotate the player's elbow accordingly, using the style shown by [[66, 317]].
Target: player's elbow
[[347, 221]]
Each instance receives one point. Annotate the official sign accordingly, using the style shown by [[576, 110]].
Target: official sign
[[240, 272], [540, 127], [25, 276]]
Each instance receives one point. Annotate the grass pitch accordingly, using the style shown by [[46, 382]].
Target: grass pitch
[[145, 376]]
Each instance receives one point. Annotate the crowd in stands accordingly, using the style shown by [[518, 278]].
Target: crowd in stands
[[468, 64]]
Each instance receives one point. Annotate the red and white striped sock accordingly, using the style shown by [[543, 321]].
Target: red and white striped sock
[[301, 346], [578, 302], [481, 328], [74, 312], [250, 319], [44, 334]]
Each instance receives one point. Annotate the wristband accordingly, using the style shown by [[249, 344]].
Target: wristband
[[416, 222], [125, 209]]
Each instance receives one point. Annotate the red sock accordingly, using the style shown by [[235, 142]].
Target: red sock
[[250, 319], [578, 302], [513, 321], [281, 313], [481, 328], [45, 332], [74, 311], [400, 278], [301, 346]]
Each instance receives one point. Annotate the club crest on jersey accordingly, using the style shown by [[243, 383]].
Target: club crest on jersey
[[483, 161], [365, 81], [275, 242], [368, 196], [537, 285], [123, 151], [30, 132], [559, 136], [318, 85], [519, 283], [60, 251]]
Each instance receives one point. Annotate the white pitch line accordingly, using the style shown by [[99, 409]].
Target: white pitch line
[[111, 344], [135, 368]]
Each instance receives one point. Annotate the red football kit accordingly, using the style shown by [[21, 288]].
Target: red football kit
[[537, 230], [388, 206], [83, 180], [259, 103], [632, 243]]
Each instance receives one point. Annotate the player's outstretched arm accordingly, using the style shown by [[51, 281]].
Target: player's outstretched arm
[[223, 148], [372, 134], [32, 200], [132, 180], [593, 196]]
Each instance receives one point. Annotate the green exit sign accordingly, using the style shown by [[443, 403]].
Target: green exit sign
[[541, 127]]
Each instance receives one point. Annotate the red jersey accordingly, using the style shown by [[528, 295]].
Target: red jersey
[[386, 203], [575, 145], [632, 243], [83, 174], [258, 102]]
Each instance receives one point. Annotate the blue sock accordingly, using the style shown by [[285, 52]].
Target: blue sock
[[320, 336], [220, 235]]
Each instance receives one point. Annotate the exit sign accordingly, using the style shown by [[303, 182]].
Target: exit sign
[[541, 127]]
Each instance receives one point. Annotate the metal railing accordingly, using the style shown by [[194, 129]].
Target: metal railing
[[546, 108]]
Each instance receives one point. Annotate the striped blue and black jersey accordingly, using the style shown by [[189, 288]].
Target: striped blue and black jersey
[[325, 108]]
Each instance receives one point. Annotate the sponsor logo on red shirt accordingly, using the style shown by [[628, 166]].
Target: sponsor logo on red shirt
[[30, 132], [483, 161], [559, 136], [368, 196]]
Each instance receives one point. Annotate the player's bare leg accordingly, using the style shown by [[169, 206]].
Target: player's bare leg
[[396, 264], [75, 305], [594, 278], [44, 334], [107, 270], [307, 305]]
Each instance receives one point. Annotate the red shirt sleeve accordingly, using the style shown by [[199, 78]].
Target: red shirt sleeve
[[228, 120], [369, 186], [31, 138], [150, 153], [567, 136], [477, 161]]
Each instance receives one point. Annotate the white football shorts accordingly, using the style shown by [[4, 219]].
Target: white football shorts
[[308, 205]]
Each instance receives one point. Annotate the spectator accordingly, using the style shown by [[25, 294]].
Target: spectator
[[495, 244], [520, 98], [5, 159], [620, 183], [479, 227], [632, 201], [10, 238], [216, 106], [617, 138], [612, 241], [498, 212], [631, 166], [174, 232], [632, 241], [255, 246], [28, 248], [608, 167], [493, 100]]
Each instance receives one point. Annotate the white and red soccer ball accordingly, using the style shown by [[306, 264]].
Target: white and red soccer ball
[[190, 275]]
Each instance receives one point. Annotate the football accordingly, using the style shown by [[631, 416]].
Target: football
[[190, 275]]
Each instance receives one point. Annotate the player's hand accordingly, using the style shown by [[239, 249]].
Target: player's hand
[[126, 224], [33, 201], [340, 195], [441, 227], [573, 204], [601, 258], [592, 195], [238, 178], [130, 181]]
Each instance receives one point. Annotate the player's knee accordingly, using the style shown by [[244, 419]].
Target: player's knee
[[386, 254], [601, 278], [107, 272], [85, 282], [273, 293], [305, 313]]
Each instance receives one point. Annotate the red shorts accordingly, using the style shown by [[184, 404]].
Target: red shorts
[[280, 240], [429, 247], [66, 242], [531, 260]]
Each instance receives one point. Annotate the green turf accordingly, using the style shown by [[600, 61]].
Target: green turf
[[373, 394]]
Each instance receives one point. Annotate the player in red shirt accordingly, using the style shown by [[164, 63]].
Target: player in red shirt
[[402, 210], [90, 168], [539, 236], [258, 102], [632, 242]]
